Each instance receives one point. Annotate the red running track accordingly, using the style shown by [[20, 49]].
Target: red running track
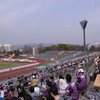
[[16, 74], [21, 70], [41, 63]]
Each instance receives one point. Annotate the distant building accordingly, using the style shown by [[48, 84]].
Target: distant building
[[33, 50], [96, 45], [20, 50], [7, 47]]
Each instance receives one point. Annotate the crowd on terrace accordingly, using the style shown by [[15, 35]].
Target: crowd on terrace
[[56, 54], [51, 88]]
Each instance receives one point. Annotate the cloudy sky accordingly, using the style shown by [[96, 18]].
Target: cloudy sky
[[49, 21]]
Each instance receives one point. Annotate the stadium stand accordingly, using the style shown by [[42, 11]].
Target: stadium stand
[[86, 62]]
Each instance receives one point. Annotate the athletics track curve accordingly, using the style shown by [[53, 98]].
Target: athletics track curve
[[22, 70]]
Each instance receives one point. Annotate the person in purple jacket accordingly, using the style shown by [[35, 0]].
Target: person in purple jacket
[[81, 80], [42, 76], [71, 88], [54, 82]]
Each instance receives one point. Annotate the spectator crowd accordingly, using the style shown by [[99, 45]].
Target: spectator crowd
[[43, 85]]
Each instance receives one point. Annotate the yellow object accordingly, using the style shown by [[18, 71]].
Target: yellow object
[[33, 82], [13, 55]]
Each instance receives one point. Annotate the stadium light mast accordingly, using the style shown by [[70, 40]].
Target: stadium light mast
[[83, 25]]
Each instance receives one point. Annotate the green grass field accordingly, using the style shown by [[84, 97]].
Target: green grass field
[[11, 64]]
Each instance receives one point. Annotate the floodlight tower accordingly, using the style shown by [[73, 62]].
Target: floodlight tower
[[83, 25]]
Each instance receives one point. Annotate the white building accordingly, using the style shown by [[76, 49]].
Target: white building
[[33, 50], [7, 47], [94, 44]]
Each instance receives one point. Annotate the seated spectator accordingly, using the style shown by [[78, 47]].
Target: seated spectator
[[49, 90], [55, 94], [10, 95], [9, 81], [37, 90], [62, 84], [59, 67], [8, 88], [81, 80], [54, 82], [33, 83], [71, 88], [33, 94], [21, 91], [1, 92], [15, 82], [15, 98], [42, 76], [28, 97]]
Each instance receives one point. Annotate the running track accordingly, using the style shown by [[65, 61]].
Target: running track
[[22, 70]]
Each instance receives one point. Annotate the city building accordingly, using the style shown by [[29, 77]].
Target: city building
[[33, 50], [6, 47]]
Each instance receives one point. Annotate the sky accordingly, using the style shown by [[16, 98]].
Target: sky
[[49, 21]]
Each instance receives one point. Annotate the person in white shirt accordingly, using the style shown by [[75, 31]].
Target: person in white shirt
[[1, 92], [37, 90], [62, 84]]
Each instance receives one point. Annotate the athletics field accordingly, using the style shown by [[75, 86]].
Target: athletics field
[[11, 64], [16, 68], [12, 69]]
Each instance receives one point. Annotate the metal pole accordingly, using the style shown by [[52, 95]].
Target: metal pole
[[83, 25], [84, 40]]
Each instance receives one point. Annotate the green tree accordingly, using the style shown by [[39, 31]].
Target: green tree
[[92, 48], [53, 47], [46, 49], [16, 52], [63, 47]]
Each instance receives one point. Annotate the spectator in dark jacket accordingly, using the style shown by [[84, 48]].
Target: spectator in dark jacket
[[21, 91], [49, 85], [54, 82], [15, 98], [27, 97], [55, 94]]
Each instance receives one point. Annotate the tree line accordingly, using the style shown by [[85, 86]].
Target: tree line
[[41, 49], [66, 47]]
